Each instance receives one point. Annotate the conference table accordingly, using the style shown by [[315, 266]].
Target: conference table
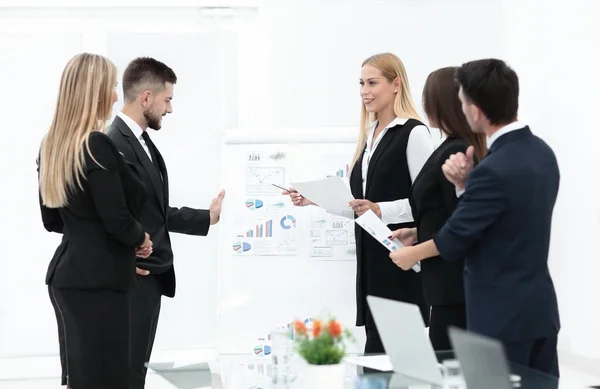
[[245, 371]]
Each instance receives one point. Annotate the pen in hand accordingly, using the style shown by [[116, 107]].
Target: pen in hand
[[287, 191], [297, 199]]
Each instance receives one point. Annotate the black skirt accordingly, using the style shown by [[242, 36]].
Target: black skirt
[[94, 337]]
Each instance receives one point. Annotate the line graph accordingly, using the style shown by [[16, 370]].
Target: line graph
[[335, 238], [259, 179], [332, 237]]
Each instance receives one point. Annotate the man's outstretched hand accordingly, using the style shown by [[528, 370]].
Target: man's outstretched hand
[[215, 207]]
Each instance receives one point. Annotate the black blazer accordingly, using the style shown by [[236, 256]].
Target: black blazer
[[432, 200], [388, 179], [502, 226], [99, 224], [157, 217]]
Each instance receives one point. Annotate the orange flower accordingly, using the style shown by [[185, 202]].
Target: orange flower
[[335, 328], [316, 328], [299, 327]]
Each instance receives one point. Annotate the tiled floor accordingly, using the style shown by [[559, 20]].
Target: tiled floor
[[43, 373], [153, 382], [576, 378]]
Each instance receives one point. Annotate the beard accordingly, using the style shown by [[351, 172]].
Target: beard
[[152, 119]]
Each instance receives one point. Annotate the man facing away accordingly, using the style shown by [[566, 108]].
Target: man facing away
[[502, 222], [148, 91]]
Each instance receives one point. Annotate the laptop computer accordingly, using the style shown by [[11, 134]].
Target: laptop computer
[[192, 376], [402, 331], [482, 360]]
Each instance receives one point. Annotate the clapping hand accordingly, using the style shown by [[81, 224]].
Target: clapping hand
[[457, 168]]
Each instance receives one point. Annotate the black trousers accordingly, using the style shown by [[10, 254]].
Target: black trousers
[[145, 309], [442, 317], [538, 354], [95, 331]]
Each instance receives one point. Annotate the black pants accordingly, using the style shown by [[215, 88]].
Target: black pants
[[442, 317], [145, 309], [539, 354], [95, 346]]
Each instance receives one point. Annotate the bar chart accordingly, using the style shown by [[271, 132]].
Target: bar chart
[[263, 230], [343, 172]]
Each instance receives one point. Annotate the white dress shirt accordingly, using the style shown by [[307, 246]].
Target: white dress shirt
[[516, 125], [137, 131]]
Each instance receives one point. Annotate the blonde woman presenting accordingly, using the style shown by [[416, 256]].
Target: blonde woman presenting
[[392, 148]]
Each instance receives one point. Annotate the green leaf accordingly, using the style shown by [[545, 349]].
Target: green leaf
[[323, 350]]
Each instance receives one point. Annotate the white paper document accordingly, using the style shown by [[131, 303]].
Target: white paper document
[[330, 193], [375, 227]]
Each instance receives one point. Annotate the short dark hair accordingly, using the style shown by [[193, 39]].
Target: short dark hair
[[493, 86], [145, 73], [443, 108]]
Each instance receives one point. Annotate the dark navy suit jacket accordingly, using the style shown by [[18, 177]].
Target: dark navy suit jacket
[[502, 227]]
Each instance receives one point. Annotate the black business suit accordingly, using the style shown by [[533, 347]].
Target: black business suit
[[93, 269], [158, 218], [502, 226], [433, 199], [388, 179]]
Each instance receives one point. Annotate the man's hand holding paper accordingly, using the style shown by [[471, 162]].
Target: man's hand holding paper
[[375, 227]]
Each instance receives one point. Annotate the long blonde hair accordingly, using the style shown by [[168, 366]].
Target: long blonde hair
[[391, 67], [84, 105]]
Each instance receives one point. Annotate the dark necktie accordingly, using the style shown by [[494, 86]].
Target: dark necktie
[[152, 150]]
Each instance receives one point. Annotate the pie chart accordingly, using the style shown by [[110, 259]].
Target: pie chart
[[254, 204], [287, 222], [241, 247]]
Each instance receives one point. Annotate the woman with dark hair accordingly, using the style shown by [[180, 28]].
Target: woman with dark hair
[[433, 199]]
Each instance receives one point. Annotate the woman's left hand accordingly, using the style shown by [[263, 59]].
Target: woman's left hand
[[143, 252], [361, 206]]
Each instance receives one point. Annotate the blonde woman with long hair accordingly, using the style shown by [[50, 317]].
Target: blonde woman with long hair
[[392, 148], [89, 194]]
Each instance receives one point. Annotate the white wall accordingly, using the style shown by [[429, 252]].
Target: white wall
[[296, 64], [203, 51], [554, 50], [310, 51], [31, 65]]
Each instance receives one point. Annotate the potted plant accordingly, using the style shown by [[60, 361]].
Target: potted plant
[[323, 348]]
